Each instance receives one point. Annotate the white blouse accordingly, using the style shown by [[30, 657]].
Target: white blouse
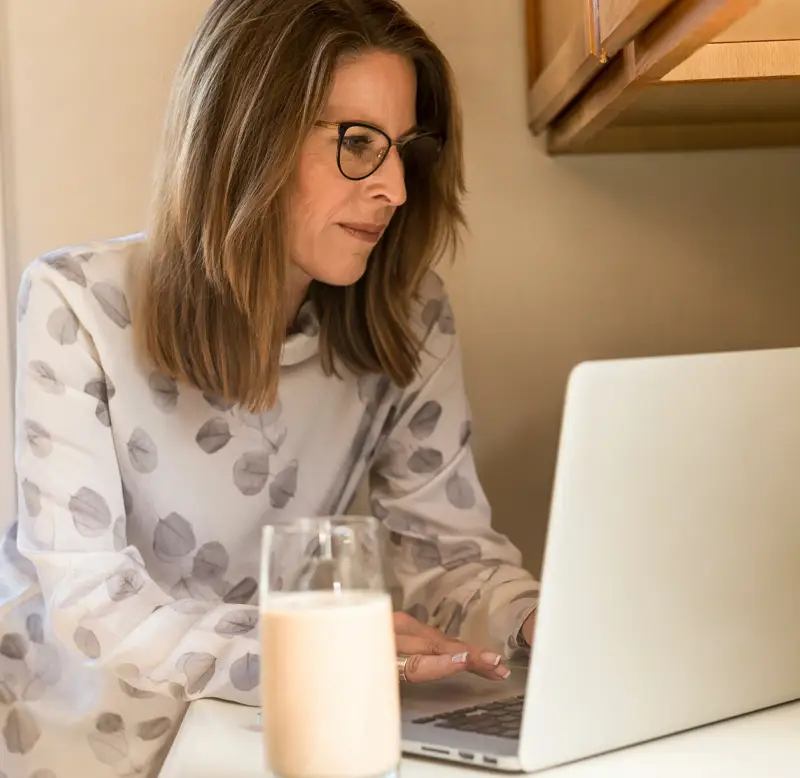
[[128, 585]]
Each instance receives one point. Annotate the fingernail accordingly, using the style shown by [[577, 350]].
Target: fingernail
[[491, 659], [503, 672], [460, 658]]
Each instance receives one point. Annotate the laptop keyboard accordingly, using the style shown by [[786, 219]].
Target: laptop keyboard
[[502, 718]]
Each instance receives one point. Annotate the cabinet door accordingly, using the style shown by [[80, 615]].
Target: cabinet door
[[570, 41]]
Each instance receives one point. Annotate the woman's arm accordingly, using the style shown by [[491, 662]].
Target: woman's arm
[[103, 604], [457, 574]]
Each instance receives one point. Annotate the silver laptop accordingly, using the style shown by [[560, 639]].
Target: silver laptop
[[671, 578]]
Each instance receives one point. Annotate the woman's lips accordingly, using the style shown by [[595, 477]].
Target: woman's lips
[[369, 233]]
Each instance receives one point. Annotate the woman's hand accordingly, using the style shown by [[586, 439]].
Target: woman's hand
[[432, 654]]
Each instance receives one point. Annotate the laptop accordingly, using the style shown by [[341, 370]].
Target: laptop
[[670, 591]]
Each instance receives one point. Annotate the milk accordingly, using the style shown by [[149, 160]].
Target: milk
[[330, 696]]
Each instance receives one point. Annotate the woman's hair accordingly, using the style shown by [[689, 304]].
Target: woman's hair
[[211, 303]]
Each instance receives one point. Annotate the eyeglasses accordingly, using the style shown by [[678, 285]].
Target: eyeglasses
[[362, 149]]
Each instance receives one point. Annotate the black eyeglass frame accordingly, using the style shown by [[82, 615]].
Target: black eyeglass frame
[[343, 127]]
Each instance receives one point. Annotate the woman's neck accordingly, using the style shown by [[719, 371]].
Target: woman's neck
[[297, 285]]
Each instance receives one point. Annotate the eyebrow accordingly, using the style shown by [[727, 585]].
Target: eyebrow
[[412, 131]]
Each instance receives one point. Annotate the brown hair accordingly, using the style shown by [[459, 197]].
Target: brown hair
[[211, 304]]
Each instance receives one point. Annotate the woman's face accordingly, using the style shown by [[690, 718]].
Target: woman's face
[[335, 222]]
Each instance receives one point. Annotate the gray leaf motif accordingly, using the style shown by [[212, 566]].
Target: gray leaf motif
[[35, 628], [142, 452], [24, 296], [261, 421], [109, 748], [425, 554], [63, 326], [173, 538], [239, 622], [210, 561], [250, 472], [218, 404], [164, 391], [245, 673], [425, 461], [463, 553], [530, 594], [199, 669], [109, 723], [447, 323], [45, 667], [32, 496], [242, 593], [132, 691], [465, 433], [21, 731], [113, 303], [69, 268], [124, 584], [87, 642], [7, 694], [90, 512], [449, 617], [378, 509], [423, 423], [38, 439], [13, 646], [101, 390], [176, 691], [45, 376], [460, 493], [284, 486], [120, 534], [154, 728], [214, 435], [431, 312]]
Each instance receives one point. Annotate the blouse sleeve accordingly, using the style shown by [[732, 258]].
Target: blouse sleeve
[[454, 570], [102, 603]]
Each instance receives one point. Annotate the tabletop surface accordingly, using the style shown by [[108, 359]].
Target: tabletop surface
[[220, 739]]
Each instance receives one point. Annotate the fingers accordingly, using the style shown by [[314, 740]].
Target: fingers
[[431, 667], [416, 639]]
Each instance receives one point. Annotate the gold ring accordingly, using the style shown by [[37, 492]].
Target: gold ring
[[402, 661]]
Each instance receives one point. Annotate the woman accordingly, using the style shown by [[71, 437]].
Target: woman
[[276, 336]]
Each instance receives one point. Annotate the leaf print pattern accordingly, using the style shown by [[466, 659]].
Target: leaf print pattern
[[463, 553], [431, 313], [423, 423], [23, 298], [132, 691], [32, 496], [112, 300], [69, 268], [449, 617], [244, 673], [425, 461], [109, 749], [21, 731], [13, 646], [174, 538], [35, 628], [447, 324], [45, 376], [87, 642], [218, 404], [214, 435], [102, 391], [90, 512], [460, 493], [63, 326], [211, 561], [530, 594], [239, 622], [164, 391], [250, 472], [7, 695], [109, 723], [284, 486], [142, 452], [153, 729], [465, 433], [199, 669], [124, 584], [38, 439], [242, 593], [425, 554]]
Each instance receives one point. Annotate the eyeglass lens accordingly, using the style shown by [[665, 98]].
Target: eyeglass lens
[[362, 150]]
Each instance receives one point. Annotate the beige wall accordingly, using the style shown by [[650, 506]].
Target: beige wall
[[567, 258]]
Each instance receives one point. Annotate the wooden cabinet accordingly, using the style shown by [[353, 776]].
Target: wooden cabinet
[[651, 75]]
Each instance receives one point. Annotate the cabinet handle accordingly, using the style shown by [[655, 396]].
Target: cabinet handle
[[596, 43]]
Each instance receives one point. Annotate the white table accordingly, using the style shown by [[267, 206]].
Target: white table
[[220, 740]]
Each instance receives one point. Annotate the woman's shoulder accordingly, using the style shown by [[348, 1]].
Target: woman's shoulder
[[86, 276]]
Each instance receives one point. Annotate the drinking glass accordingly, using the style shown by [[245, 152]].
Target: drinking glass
[[329, 686]]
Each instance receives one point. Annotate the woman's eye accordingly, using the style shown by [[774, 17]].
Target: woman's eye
[[357, 144]]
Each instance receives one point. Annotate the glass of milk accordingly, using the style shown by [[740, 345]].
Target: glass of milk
[[329, 685]]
